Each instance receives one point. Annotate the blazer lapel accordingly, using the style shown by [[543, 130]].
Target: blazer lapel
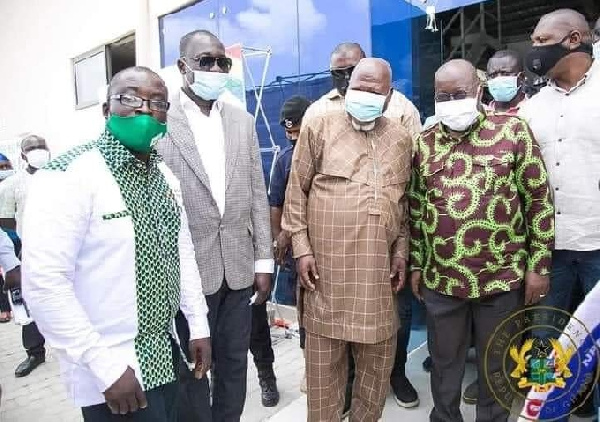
[[231, 133], [183, 138]]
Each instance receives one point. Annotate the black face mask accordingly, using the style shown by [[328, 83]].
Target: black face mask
[[542, 59], [341, 84]]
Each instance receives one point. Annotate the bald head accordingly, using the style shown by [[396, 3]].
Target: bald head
[[566, 20], [134, 77], [372, 75], [457, 76], [561, 26], [32, 142], [346, 55]]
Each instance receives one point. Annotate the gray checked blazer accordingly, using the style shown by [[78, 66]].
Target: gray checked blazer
[[227, 247]]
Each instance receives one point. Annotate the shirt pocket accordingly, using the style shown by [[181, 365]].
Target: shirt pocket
[[492, 174]]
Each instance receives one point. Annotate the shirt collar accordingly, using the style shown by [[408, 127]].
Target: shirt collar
[[333, 95], [118, 157], [189, 105], [590, 73]]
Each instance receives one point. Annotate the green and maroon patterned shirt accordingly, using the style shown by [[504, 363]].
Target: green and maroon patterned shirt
[[480, 207]]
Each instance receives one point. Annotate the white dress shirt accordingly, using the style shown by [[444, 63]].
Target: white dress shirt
[[79, 275], [567, 127], [8, 259], [13, 193], [210, 141]]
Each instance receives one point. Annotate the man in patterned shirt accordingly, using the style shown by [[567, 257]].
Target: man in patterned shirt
[[108, 261], [482, 226], [345, 208]]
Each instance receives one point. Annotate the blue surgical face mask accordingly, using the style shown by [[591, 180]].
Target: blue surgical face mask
[[596, 53], [208, 85], [365, 107], [504, 88], [6, 173]]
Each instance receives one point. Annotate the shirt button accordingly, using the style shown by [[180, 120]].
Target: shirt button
[[557, 163], [560, 140], [556, 188], [558, 212]]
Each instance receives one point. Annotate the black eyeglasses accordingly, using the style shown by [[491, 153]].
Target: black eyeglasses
[[442, 97], [207, 62], [342, 73], [136, 102]]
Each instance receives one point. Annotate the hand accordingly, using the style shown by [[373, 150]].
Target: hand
[[12, 279], [284, 241], [307, 269], [262, 285], [126, 395], [415, 284], [398, 273], [536, 287], [201, 352]]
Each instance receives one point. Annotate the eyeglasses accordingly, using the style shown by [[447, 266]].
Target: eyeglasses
[[342, 73], [442, 97], [207, 62], [136, 102]]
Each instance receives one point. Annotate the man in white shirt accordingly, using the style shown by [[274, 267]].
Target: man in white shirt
[[108, 261], [213, 150], [13, 196], [563, 118]]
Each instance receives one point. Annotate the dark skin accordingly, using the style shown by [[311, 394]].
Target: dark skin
[[6, 165], [345, 58], [28, 144], [460, 76], [126, 395], [552, 29], [374, 76], [506, 66], [200, 46], [207, 46]]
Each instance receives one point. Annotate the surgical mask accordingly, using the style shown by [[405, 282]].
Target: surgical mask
[[457, 115], [6, 173], [38, 158], [365, 107], [596, 48], [504, 88], [138, 133], [208, 85], [543, 58]]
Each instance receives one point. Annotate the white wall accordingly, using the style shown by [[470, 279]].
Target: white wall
[[39, 39]]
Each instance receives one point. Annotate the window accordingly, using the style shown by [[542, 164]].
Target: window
[[94, 69]]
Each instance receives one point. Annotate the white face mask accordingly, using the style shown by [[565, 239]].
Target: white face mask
[[597, 50], [37, 158], [6, 173], [457, 115]]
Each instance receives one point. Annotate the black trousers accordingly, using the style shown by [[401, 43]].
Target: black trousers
[[4, 304], [230, 320], [260, 338], [162, 407], [33, 340], [451, 322]]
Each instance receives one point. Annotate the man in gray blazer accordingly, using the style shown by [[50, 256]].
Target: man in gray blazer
[[213, 149]]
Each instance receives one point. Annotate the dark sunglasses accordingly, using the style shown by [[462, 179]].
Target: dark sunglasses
[[207, 62], [343, 73]]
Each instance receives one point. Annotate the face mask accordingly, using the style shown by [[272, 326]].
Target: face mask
[[504, 88], [38, 158], [596, 48], [341, 85], [138, 133], [365, 107], [457, 115], [208, 85], [542, 59], [6, 173]]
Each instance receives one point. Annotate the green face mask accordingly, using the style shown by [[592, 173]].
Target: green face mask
[[137, 133]]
